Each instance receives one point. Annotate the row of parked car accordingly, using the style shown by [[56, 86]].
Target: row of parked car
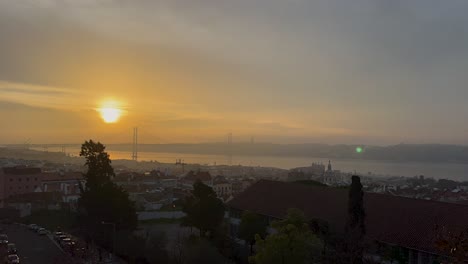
[[64, 240], [10, 248], [41, 231]]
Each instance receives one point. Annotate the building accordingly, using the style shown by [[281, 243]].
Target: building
[[315, 169], [18, 180], [408, 225], [335, 177], [222, 187], [240, 185], [187, 180], [65, 183], [297, 175]]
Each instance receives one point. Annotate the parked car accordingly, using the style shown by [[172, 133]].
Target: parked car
[[64, 241], [60, 238], [3, 239], [12, 249], [33, 227], [12, 259], [42, 231], [57, 234], [69, 246]]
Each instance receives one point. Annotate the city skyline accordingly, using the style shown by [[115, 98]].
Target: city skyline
[[367, 72]]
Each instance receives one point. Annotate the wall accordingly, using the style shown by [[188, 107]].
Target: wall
[[19, 184]]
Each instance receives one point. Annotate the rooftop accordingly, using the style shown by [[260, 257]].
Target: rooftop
[[395, 220]]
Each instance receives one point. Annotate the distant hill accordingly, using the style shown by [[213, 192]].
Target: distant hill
[[401, 152]]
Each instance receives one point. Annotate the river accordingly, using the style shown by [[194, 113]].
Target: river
[[454, 171]]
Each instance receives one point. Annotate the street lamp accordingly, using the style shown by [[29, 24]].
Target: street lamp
[[113, 235]]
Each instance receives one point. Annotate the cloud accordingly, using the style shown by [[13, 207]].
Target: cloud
[[41, 96], [386, 69]]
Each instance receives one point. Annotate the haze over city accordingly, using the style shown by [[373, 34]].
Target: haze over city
[[328, 71]]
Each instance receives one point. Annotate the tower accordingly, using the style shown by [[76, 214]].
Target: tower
[[329, 166], [135, 144], [229, 141]]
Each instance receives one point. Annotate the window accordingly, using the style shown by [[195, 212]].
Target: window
[[19, 179], [27, 179], [11, 179], [19, 187], [35, 179]]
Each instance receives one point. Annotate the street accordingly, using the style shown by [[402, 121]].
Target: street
[[33, 248]]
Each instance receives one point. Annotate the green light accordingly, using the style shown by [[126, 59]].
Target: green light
[[358, 149]]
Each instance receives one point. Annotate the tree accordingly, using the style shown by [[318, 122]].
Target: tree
[[155, 249], [251, 225], [355, 226], [203, 209], [453, 245], [101, 200], [293, 243], [194, 250]]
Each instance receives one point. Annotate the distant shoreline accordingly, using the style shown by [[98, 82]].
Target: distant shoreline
[[403, 153]]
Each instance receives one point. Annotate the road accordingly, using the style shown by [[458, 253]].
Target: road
[[32, 248]]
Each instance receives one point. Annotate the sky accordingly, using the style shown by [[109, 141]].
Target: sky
[[286, 71]]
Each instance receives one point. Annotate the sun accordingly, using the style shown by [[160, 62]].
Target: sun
[[110, 112]]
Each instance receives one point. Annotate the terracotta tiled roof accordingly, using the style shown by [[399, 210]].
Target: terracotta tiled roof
[[395, 220]]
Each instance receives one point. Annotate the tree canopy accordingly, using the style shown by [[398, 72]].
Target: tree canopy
[[293, 243], [204, 210], [355, 227], [251, 225], [101, 200]]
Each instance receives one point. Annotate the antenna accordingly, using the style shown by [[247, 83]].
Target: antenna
[[135, 144]]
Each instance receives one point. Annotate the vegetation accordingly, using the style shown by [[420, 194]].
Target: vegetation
[[355, 227], [52, 219], [453, 245], [204, 210], [101, 200], [197, 250], [294, 243], [136, 249], [175, 206], [251, 225]]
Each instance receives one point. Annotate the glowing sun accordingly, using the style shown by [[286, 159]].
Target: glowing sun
[[110, 112]]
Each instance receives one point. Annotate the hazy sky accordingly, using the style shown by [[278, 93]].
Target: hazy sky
[[288, 71]]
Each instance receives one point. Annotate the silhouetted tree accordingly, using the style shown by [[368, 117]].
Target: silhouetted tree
[[453, 245], [251, 224], [204, 210], [155, 249], [101, 200], [293, 243], [197, 250], [355, 227]]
